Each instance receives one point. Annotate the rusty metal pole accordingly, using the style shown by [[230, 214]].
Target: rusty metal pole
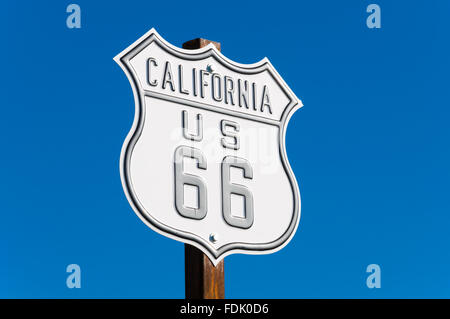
[[202, 279]]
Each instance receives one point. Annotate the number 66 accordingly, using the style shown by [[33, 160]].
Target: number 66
[[228, 188]]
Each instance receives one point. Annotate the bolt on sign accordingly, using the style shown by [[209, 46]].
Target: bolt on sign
[[205, 160]]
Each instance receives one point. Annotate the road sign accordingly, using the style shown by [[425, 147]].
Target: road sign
[[205, 161]]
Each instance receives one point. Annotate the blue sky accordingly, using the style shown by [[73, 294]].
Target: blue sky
[[370, 148]]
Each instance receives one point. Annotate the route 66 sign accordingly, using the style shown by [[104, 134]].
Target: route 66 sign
[[205, 161]]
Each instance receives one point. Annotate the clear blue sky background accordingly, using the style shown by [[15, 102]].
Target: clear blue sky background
[[370, 148]]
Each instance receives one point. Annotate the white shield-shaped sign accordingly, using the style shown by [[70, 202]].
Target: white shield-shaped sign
[[205, 160]]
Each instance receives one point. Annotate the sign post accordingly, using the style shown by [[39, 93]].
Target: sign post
[[203, 280], [205, 160]]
